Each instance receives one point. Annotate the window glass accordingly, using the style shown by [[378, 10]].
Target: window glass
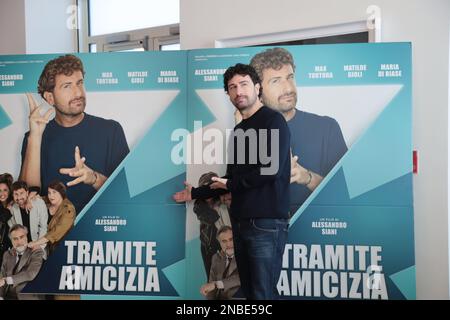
[[110, 16], [169, 47]]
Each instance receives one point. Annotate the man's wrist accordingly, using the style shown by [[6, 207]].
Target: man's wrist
[[95, 178], [218, 284], [309, 178], [35, 137], [228, 184]]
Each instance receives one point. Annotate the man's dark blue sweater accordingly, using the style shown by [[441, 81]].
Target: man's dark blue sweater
[[257, 191]]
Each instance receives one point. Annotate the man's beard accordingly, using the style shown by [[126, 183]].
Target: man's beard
[[250, 102], [21, 203], [20, 249], [280, 105], [69, 113], [229, 252]]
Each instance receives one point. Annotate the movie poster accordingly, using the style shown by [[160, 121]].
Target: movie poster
[[350, 237], [130, 238]]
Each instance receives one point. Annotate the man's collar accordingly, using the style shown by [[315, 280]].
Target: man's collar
[[224, 254], [15, 253]]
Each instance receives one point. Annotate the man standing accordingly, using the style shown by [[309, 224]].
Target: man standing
[[316, 141], [20, 266], [223, 280], [260, 206], [34, 219], [52, 150]]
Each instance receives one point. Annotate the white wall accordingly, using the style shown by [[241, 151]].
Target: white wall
[[449, 142], [12, 26], [46, 26], [427, 25], [36, 26]]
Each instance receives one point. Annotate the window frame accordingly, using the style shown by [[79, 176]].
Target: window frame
[[149, 38], [303, 34]]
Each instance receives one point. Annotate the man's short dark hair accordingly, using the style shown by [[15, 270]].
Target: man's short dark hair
[[274, 58], [65, 65], [19, 185], [17, 227], [223, 229], [242, 70]]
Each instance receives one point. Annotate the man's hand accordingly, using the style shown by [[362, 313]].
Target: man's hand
[[31, 196], [37, 121], [2, 282], [219, 183], [81, 171], [184, 195], [298, 174], [33, 246], [303, 176], [207, 288]]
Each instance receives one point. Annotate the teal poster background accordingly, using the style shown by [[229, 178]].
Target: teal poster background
[[351, 239], [353, 236], [133, 216]]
